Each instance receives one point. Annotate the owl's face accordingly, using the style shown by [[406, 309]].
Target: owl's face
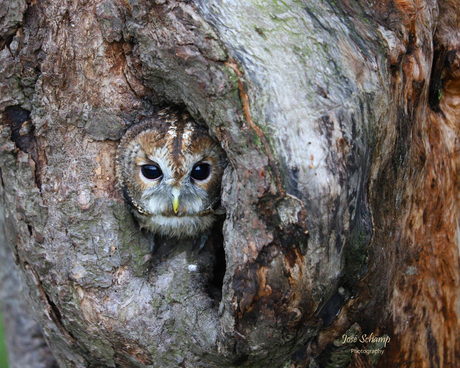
[[170, 170]]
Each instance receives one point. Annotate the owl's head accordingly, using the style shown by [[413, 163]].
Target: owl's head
[[170, 171]]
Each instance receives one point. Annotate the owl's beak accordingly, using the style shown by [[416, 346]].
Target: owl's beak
[[175, 193]]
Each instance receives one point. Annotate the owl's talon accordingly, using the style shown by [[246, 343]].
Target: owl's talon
[[203, 239]]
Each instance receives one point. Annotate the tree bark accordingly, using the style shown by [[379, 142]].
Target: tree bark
[[340, 122], [26, 345]]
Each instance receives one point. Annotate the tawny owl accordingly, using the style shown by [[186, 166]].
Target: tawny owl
[[170, 171]]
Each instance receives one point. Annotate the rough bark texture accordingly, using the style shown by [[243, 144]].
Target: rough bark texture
[[340, 122], [26, 345]]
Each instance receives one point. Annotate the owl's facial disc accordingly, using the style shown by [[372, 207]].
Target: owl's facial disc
[[170, 170]]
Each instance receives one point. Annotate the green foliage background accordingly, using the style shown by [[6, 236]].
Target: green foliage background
[[3, 362]]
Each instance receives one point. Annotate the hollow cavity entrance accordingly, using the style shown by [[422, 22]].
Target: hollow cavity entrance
[[216, 282]]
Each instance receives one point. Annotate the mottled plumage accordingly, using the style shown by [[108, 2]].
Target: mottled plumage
[[170, 171]]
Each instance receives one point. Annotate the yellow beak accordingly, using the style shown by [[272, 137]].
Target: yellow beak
[[175, 193]]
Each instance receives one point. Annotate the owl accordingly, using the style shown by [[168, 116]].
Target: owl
[[170, 171]]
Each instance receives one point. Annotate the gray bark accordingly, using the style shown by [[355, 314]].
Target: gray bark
[[26, 345], [316, 106]]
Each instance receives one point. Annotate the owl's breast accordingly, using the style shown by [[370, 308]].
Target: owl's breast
[[187, 206], [176, 226]]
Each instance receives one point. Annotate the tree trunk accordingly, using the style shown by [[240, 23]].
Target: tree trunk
[[25, 344], [340, 122]]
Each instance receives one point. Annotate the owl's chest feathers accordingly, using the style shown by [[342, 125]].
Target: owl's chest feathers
[[191, 204], [176, 226]]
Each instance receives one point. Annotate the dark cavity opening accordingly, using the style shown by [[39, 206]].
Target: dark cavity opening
[[220, 266], [22, 130]]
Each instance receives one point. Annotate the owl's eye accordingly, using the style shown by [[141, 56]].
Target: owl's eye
[[201, 171], [151, 172]]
